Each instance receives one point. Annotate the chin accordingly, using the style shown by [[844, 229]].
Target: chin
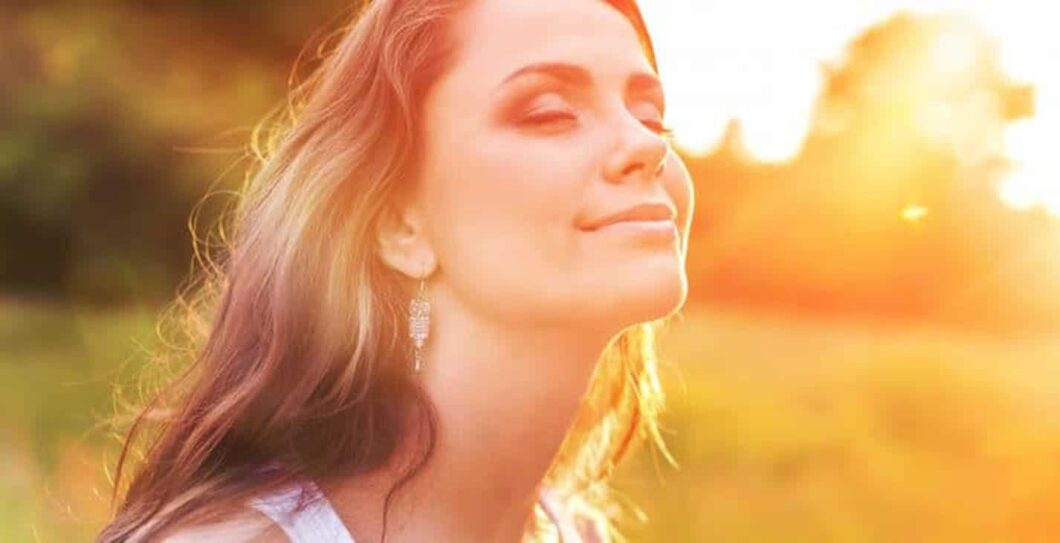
[[646, 292]]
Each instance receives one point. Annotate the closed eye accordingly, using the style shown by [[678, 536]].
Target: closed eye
[[551, 116], [551, 122]]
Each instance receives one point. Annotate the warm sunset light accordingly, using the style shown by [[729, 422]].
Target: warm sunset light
[[760, 63], [202, 210], [914, 213]]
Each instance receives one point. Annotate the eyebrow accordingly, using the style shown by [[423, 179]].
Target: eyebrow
[[574, 74]]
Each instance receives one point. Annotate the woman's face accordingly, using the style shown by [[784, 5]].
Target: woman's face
[[547, 122]]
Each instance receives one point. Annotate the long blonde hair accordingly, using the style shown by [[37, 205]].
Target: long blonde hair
[[295, 359]]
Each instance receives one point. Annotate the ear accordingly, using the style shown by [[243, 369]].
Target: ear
[[401, 241]]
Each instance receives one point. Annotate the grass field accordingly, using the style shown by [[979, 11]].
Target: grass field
[[828, 431], [785, 430]]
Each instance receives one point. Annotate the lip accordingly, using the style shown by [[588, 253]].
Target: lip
[[647, 215], [654, 228]]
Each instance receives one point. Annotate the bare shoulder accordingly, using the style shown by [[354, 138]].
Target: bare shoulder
[[244, 526]]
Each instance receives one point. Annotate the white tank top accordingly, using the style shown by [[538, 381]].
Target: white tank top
[[319, 523], [316, 523]]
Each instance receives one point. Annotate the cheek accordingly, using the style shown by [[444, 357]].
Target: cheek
[[504, 219], [527, 190]]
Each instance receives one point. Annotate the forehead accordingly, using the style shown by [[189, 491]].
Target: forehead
[[496, 37]]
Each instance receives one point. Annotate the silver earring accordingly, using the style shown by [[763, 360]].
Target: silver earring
[[419, 322]]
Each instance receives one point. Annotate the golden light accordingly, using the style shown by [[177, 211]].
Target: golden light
[[914, 213], [1035, 176], [758, 61], [954, 52]]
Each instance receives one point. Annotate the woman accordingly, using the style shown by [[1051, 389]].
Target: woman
[[435, 316]]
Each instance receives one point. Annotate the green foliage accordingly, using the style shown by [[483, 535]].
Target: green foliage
[[114, 123]]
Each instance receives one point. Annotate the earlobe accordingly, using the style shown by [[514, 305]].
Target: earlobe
[[401, 243]]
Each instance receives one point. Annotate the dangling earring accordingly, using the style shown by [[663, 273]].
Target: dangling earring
[[419, 322]]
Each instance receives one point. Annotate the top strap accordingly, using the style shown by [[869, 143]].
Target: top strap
[[317, 522]]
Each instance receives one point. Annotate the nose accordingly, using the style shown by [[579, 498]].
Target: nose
[[640, 154]]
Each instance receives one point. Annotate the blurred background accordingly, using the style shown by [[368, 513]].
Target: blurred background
[[870, 349]]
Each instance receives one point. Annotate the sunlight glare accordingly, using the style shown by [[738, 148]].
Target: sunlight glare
[[759, 62], [914, 213]]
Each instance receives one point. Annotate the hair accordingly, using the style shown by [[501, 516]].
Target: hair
[[293, 361]]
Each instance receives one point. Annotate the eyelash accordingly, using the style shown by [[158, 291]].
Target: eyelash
[[655, 126], [550, 117]]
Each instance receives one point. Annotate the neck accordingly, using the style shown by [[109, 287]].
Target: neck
[[505, 397]]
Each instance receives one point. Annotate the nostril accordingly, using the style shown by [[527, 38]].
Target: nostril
[[634, 167]]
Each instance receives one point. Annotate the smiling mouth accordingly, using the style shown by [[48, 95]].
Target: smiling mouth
[[647, 212]]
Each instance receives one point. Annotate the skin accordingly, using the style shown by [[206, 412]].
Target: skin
[[523, 300]]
